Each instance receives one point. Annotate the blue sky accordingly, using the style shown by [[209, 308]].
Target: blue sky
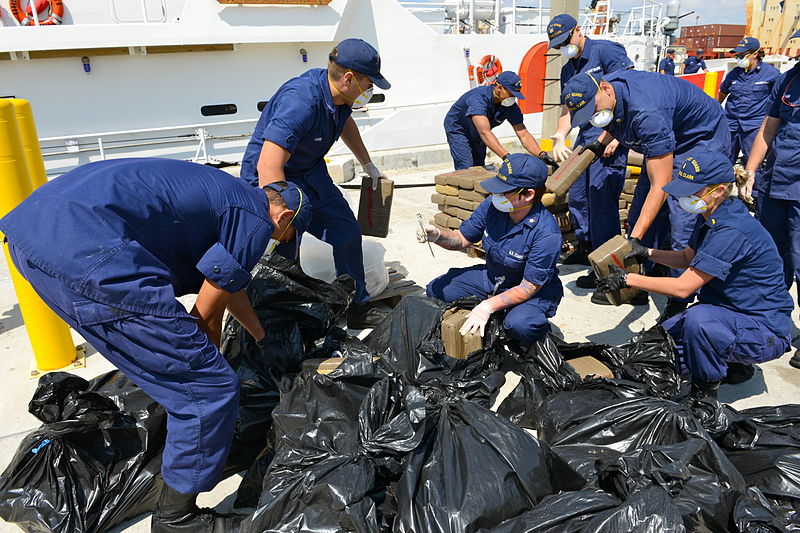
[[709, 11]]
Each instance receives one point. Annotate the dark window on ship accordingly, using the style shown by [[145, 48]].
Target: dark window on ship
[[262, 105], [218, 109], [377, 98]]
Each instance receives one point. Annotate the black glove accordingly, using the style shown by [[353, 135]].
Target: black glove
[[638, 251], [505, 157], [274, 358], [548, 160], [595, 147], [614, 281]]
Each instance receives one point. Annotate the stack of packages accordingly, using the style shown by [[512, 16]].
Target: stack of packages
[[635, 162], [459, 193]]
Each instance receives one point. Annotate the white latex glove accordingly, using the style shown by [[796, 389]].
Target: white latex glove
[[746, 190], [611, 148], [560, 150], [431, 234], [477, 319], [374, 173]]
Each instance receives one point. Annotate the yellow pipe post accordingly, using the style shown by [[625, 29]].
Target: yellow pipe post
[[49, 335], [30, 142], [710, 83]]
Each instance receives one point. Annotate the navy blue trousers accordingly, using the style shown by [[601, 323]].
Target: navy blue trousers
[[526, 322], [594, 202], [465, 151], [710, 336], [171, 360], [781, 219]]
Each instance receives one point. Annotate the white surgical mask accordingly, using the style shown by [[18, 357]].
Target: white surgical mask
[[362, 100], [508, 102], [602, 118], [501, 203], [570, 51], [743, 62], [693, 204], [273, 243]]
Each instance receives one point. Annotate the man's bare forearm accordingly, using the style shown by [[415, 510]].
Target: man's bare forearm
[[513, 296], [452, 240]]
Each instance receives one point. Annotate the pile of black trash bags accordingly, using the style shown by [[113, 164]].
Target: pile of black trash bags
[[402, 438]]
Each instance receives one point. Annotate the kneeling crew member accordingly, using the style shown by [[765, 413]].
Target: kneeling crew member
[[522, 242], [743, 314], [469, 122], [110, 245]]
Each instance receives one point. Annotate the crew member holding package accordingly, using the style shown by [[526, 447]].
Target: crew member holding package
[[745, 93], [778, 205], [522, 242], [594, 197], [695, 63], [663, 118], [297, 128], [109, 245], [469, 122], [744, 312]]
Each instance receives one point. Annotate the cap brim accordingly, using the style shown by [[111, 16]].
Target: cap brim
[[739, 50], [582, 115], [680, 187], [514, 93], [495, 185], [379, 81], [559, 40], [796, 35]]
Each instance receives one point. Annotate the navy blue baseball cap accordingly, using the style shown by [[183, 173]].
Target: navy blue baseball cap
[[512, 82], [360, 56], [297, 201], [517, 170], [578, 95], [747, 44], [796, 35], [559, 29], [700, 168]]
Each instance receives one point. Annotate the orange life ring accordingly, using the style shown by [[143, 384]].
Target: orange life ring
[[488, 69], [55, 15]]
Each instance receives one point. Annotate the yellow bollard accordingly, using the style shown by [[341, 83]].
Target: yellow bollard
[[49, 335], [710, 83], [30, 142]]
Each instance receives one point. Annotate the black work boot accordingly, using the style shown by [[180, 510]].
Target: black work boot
[[578, 256], [589, 281], [704, 389], [365, 316], [178, 513], [795, 360], [674, 307], [641, 298], [738, 373]]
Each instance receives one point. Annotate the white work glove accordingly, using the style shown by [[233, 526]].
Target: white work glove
[[746, 190], [560, 150], [431, 234], [477, 319], [374, 173]]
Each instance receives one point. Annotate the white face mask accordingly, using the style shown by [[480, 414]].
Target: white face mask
[[743, 62], [693, 204], [508, 102], [602, 118], [570, 51], [273, 243], [501, 203], [362, 100]]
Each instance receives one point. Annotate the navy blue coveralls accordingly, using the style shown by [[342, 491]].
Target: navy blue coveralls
[[693, 64], [302, 118], [525, 250], [744, 312], [594, 197], [747, 104], [109, 245], [778, 206], [466, 146], [668, 66], [656, 115]]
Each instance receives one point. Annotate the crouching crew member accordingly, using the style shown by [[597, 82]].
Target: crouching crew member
[[109, 245], [468, 125], [743, 314], [522, 242]]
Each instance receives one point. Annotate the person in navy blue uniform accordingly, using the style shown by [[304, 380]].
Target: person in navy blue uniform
[[469, 122], [667, 65], [594, 197], [695, 63], [522, 242], [778, 205], [110, 245], [743, 314], [298, 126], [661, 117], [745, 92]]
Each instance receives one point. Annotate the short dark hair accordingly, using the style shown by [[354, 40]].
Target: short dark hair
[[335, 70], [274, 197]]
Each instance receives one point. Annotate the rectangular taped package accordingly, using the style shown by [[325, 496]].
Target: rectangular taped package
[[457, 345], [569, 171], [613, 253], [375, 207]]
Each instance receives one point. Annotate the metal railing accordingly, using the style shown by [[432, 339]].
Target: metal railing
[[482, 16]]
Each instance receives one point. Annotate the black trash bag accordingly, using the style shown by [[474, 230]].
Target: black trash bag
[[94, 463], [474, 469], [755, 513], [296, 310], [337, 454], [701, 481]]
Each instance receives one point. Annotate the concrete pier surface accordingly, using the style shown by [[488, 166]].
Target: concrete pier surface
[[577, 319]]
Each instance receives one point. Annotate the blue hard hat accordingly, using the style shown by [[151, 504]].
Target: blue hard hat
[[360, 56], [559, 29], [578, 95], [297, 201], [702, 166], [512, 82], [747, 44], [517, 170]]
